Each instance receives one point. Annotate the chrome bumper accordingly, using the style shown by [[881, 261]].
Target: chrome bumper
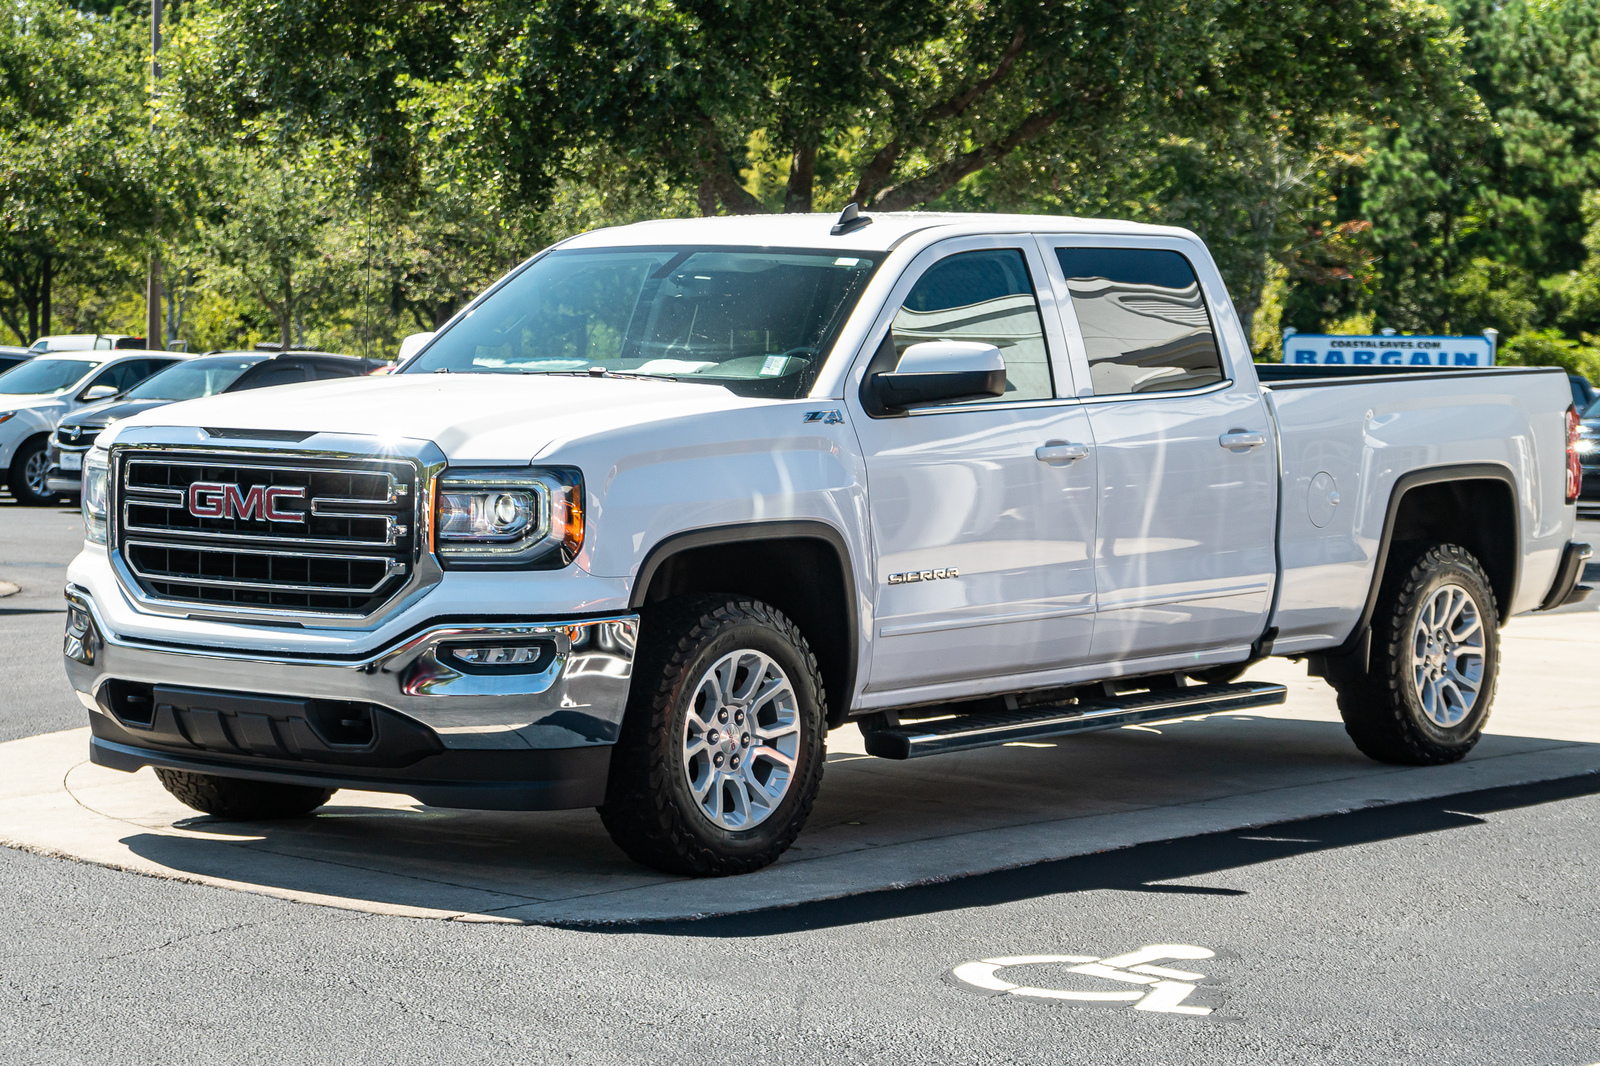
[[577, 700], [58, 480]]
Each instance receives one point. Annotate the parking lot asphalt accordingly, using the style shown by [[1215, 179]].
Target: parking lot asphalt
[[1456, 929]]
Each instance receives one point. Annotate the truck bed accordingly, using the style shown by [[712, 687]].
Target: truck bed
[[1348, 438]]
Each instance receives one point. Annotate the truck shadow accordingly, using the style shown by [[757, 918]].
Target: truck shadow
[[1141, 868], [561, 868]]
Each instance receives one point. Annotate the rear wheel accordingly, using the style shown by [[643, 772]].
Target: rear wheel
[[26, 478], [1434, 663], [236, 798], [721, 750]]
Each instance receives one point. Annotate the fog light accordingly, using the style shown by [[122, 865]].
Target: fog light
[[523, 655], [77, 644]]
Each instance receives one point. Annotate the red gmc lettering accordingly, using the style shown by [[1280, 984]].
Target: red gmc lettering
[[273, 512], [200, 506], [210, 499], [241, 505]]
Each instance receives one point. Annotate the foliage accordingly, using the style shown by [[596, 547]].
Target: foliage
[[342, 172], [72, 166], [1550, 347]]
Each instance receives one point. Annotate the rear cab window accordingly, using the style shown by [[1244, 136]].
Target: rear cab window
[[1143, 318]]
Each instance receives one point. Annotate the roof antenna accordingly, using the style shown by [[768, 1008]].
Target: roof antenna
[[850, 220]]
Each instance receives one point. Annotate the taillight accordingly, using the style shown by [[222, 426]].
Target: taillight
[[1574, 464]]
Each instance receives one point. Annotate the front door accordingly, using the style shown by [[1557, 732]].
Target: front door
[[1185, 553], [980, 541]]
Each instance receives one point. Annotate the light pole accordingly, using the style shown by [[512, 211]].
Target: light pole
[[153, 331]]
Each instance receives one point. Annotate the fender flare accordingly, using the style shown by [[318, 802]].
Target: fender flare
[[747, 532], [1358, 642]]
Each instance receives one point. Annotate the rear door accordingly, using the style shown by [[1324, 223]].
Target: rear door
[[1185, 554], [981, 548]]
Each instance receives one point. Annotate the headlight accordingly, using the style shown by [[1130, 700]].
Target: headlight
[[509, 519], [6, 416], [95, 473]]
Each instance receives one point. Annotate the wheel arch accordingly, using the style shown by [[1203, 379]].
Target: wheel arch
[[1470, 504], [801, 567], [39, 436]]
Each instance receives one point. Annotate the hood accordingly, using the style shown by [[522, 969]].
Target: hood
[[471, 417], [99, 414], [18, 401]]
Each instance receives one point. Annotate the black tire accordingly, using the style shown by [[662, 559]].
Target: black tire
[[241, 800], [31, 453], [651, 809], [1382, 709], [1226, 674]]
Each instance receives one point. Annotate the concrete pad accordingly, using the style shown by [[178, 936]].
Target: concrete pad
[[877, 824]]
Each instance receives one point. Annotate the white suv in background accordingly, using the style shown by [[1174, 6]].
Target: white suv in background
[[34, 395]]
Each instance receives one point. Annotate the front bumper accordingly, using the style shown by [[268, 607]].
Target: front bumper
[[60, 476], [59, 480], [438, 729]]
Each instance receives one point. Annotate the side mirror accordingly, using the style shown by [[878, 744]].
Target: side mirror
[[412, 345], [941, 372], [98, 392]]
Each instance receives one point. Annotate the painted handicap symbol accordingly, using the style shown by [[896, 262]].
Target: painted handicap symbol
[[1163, 989]]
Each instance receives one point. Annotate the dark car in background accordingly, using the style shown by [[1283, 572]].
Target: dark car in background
[[1589, 456], [1583, 394], [11, 355], [204, 375]]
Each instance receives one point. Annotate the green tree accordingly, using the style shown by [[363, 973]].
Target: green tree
[[272, 236], [74, 175]]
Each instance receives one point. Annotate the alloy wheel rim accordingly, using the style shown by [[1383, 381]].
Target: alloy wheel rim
[[34, 474], [1447, 655], [741, 740]]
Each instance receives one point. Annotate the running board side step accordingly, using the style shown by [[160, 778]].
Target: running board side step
[[914, 740]]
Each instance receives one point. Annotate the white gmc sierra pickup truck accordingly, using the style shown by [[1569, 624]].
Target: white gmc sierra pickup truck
[[668, 501]]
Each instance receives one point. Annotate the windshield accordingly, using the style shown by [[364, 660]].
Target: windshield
[[39, 376], [191, 380], [756, 321]]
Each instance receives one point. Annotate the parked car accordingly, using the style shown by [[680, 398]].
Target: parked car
[[644, 520], [1589, 459], [36, 394], [86, 342], [11, 355], [194, 378], [1583, 394]]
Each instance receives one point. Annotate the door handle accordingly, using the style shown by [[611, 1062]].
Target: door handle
[[1241, 440], [1060, 452]]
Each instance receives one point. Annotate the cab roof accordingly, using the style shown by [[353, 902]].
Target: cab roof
[[886, 230]]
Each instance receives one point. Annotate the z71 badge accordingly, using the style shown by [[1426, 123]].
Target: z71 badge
[[923, 575]]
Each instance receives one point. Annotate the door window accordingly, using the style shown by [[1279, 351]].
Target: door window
[[280, 374], [984, 296], [128, 373], [1144, 321]]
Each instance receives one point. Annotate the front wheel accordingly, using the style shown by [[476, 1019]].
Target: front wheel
[[721, 750], [1435, 660], [241, 800], [27, 478]]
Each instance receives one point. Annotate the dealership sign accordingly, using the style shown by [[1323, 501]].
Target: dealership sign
[[1346, 350]]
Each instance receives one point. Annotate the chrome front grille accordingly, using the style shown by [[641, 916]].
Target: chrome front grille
[[76, 436], [260, 533]]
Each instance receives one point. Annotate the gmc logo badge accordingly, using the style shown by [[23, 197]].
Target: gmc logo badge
[[212, 499]]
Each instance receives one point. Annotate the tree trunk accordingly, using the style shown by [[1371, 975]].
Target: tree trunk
[[46, 275], [30, 299], [802, 179], [286, 320]]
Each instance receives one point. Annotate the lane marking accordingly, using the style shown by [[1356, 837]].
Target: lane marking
[[1163, 989]]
